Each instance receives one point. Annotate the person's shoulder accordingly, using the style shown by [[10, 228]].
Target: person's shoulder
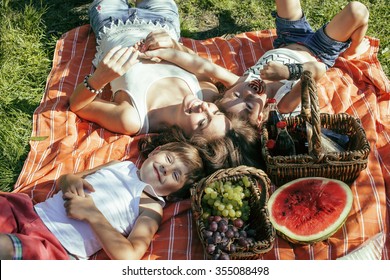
[[150, 198], [242, 79], [149, 202]]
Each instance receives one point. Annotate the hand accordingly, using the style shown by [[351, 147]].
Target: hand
[[74, 184], [274, 71], [79, 208], [114, 64], [152, 55], [158, 39]]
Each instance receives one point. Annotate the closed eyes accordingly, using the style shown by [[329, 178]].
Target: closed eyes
[[203, 123], [170, 160]]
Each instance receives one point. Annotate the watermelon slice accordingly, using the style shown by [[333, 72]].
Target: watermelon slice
[[310, 210]]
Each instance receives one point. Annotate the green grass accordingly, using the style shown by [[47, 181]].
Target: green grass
[[29, 30]]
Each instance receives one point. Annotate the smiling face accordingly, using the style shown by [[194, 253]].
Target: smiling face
[[203, 118], [246, 99], [164, 172]]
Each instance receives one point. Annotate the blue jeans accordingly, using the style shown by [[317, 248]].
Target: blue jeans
[[299, 31], [103, 12]]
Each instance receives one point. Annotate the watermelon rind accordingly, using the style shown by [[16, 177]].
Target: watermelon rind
[[288, 235]]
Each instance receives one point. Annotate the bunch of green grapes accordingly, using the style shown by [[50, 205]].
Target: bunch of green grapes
[[227, 199]]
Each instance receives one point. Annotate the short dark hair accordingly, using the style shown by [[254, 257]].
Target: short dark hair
[[186, 153]]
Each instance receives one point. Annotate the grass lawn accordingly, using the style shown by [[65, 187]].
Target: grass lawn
[[29, 30]]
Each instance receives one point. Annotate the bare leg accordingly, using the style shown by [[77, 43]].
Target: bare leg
[[350, 23], [7, 250], [289, 9]]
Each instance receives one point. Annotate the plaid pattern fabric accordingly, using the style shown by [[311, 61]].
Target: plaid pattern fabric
[[358, 87], [17, 247]]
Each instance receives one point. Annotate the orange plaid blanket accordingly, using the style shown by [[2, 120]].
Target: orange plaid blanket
[[62, 142]]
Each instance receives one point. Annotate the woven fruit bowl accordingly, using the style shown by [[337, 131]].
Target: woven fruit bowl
[[231, 215]]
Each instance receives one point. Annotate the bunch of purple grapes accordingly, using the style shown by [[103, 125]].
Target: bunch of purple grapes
[[224, 236]]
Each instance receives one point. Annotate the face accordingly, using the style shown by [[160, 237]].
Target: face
[[246, 99], [203, 118], [164, 172]]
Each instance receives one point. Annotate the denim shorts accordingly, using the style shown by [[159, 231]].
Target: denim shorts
[[299, 31], [104, 12]]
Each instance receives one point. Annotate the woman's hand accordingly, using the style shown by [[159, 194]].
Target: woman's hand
[[156, 55], [153, 43], [158, 39], [114, 64]]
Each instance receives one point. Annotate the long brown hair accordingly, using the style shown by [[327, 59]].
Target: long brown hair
[[240, 145]]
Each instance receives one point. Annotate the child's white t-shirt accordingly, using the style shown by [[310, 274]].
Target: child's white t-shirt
[[117, 194]]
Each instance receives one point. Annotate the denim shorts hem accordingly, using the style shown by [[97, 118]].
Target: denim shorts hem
[[103, 13], [319, 43]]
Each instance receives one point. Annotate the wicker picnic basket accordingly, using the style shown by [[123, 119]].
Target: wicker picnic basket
[[344, 166], [258, 218]]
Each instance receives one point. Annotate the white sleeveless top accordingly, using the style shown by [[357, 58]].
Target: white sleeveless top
[[117, 195], [137, 81], [283, 56], [140, 77]]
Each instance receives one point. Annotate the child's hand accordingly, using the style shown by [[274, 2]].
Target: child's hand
[[74, 184], [79, 208], [274, 71]]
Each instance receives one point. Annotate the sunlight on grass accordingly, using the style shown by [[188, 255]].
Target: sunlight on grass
[[24, 66]]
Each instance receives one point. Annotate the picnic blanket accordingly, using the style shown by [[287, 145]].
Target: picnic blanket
[[62, 142]]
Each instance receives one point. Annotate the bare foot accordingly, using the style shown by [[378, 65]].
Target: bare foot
[[359, 50]]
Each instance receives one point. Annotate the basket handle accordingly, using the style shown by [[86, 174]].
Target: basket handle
[[310, 111]]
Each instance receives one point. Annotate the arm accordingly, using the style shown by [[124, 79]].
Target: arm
[[201, 67], [113, 242], [291, 100], [76, 184], [275, 71], [115, 63], [160, 39]]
